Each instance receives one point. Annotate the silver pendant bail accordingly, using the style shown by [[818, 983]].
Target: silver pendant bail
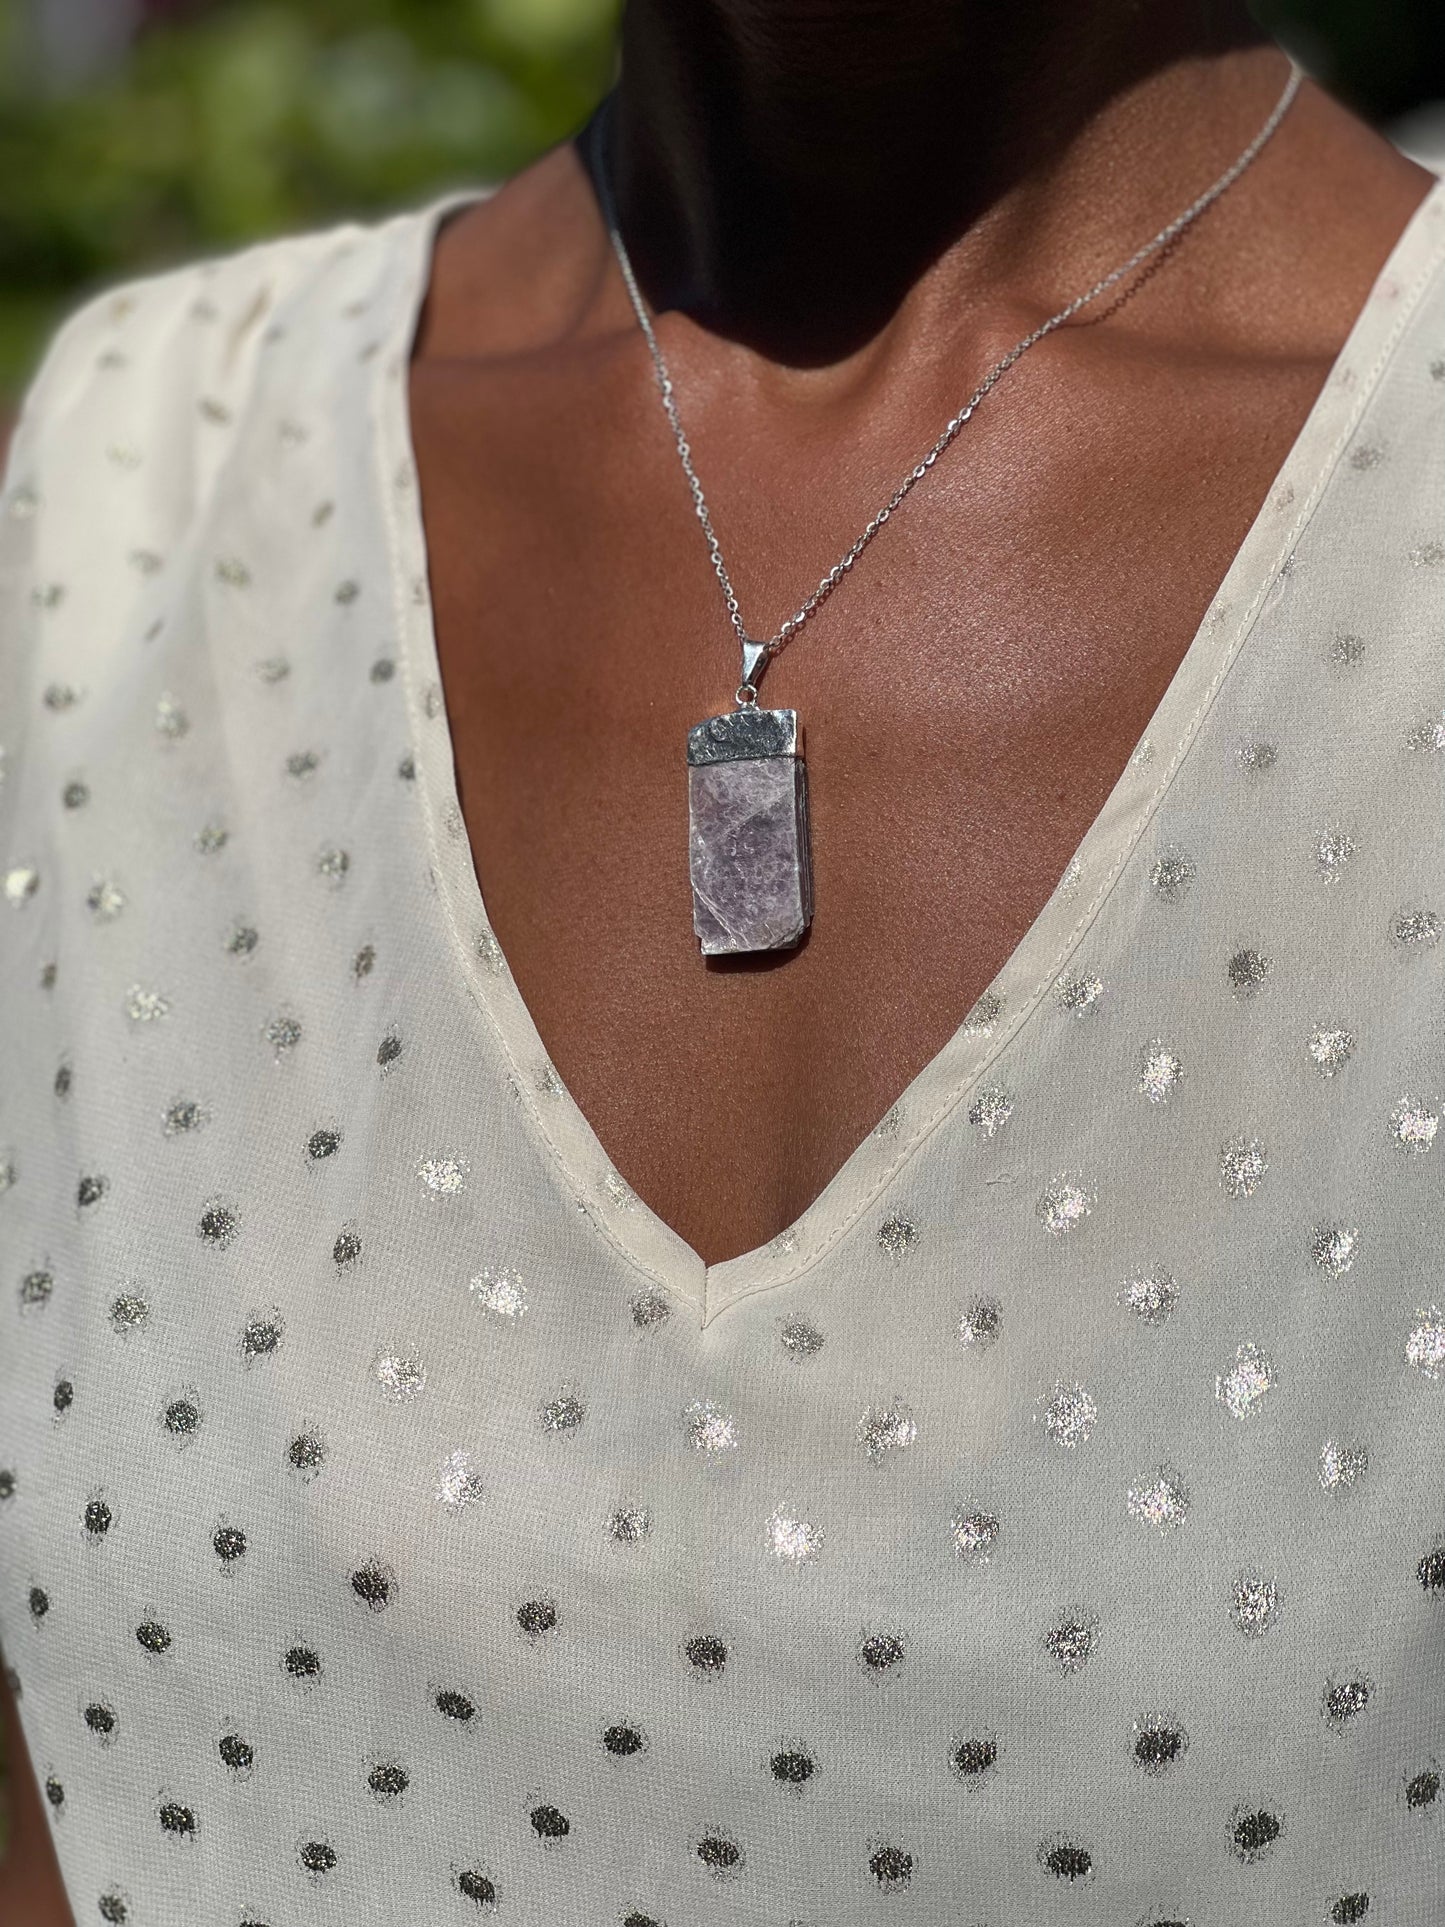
[[755, 661]]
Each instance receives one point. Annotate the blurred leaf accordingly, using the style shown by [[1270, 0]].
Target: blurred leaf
[[253, 118]]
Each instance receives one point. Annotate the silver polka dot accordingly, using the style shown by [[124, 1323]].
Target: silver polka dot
[[1158, 1499], [649, 1309], [489, 952], [1065, 1203], [105, 899], [793, 1540], [1171, 876], [144, 1006], [1342, 1466], [1071, 1640], [1247, 972], [1428, 735], [219, 1225], [1254, 1604], [563, 1412], [1343, 1701], [1078, 995], [709, 1428], [1151, 1296], [21, 884], [459, 1483], [129, 1312], [799, 1339], [1330, 1048], [1333, 1248], [886, 1428], [1413, 1124], [991, 1110], [1242, 1165], [442, 1175], [399, 1377], [171, 720], [975, 1535], [1255, 758], [1425, 1346], [1157, 1741], [1160, 1072], [1416, 929], [1333, 850], [1247, 1379], [183, 1116], [282, 1033], [36, 1287], [897, 1235], [984, 1015], [629, 1525], [261, 1334], [1069, 1415], [980, 1324], [499, 1290]]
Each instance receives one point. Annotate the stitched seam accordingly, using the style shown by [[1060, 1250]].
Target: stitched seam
[[1240, 635], [395, 429], [1128, 838]]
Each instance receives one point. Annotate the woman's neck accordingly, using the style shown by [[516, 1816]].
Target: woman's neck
[[788, 170]]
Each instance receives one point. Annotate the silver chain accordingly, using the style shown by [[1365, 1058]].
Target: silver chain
[[747, 691]]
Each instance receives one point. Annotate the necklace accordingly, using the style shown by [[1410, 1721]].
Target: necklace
[[749, 856]]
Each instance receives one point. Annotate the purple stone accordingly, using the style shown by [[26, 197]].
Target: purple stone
[[748, 840]]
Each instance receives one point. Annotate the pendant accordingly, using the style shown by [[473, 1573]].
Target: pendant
[[747, 803]]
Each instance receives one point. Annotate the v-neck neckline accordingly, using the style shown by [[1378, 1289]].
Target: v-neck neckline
[[869, 1180]]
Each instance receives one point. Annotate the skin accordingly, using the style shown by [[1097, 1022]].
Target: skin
[[843, 211]]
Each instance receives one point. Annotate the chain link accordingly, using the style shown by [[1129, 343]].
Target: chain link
[[915, 475]]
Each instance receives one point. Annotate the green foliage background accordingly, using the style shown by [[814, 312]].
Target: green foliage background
[[249, 117], [256, 117], [241, 118]]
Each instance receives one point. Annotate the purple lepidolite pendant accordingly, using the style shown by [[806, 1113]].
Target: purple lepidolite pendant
[[747, 800]]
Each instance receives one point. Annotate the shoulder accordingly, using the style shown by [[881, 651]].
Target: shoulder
[[174, 420], [148, 365]]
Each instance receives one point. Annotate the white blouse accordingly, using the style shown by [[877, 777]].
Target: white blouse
[[400, 1524]]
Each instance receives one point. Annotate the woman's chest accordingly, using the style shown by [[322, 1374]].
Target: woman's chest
[[968, 699]]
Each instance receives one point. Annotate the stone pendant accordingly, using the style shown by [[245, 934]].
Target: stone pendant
[[747, 799]]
